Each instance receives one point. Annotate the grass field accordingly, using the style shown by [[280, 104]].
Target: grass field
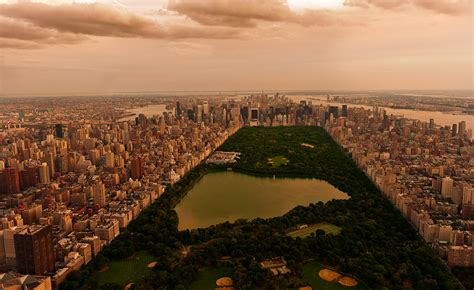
[[310, 276], [207, 278], [278, 161], [130, 270], [329, 229]]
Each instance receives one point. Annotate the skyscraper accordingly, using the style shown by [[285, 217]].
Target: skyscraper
[[447, 187], [9, 181], [454, 130], [109, 159], [462, 128], [136, 170], [28, 177], [334, 110], [344, 110], [205, 108], [50, 161], [59, 131], [99, 193], [44, 173], [34, 250], [179, 112]]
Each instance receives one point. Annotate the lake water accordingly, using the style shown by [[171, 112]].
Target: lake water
[[148, 111], [228, 196]]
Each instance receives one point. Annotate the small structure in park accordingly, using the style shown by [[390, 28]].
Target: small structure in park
[[220, 157], [276, 265], [301, 226]]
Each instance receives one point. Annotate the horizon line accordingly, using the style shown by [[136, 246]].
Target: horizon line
[[227, 92]]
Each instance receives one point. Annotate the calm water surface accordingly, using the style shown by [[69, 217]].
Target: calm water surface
[[148, 111], [228, 196]]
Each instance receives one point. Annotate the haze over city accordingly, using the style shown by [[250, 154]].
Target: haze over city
[[103, 46], [236, 144]]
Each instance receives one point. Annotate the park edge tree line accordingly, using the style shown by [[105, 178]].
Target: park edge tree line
[[376, 243]]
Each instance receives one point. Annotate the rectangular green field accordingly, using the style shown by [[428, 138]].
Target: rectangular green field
[[130, 270], [329, 229], [278, 161]]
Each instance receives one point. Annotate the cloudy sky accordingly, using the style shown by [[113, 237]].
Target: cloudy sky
[[88, 46]]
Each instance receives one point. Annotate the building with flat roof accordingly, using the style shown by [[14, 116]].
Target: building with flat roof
[[35, 250], [16, 281]]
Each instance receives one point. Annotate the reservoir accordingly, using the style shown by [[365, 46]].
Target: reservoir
[[227, 196]]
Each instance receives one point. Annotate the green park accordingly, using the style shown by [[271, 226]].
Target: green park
[[362, 236]]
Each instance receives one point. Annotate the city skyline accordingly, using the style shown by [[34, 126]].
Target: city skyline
[[236, 144], [66, 47], [105, 184]]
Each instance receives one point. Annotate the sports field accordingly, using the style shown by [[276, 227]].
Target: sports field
[[278, 161], [329, 229], [207, 278], [130, 270], [310, 275]]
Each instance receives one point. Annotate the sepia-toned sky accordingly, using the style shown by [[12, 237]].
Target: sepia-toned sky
[[87, 46]]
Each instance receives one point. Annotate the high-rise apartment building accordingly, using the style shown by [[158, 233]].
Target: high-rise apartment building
[[9, 181], [447, 187], [50, 161], [109, 159], [136, 168], [44, 173], [99, 193], [34, 250], [28, 177]]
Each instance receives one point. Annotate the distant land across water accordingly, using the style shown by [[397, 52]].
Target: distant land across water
[[177, 93], [440, 118]]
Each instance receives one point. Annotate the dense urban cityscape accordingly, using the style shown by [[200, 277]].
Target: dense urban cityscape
[[74, 175], [236, 145]]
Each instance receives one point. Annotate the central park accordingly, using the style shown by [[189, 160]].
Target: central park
[[323, 217]]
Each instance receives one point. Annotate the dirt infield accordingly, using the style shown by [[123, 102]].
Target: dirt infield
[[329, 275], [224, 282], [152, 264], [333, 276], [306, 288], [348, 281]]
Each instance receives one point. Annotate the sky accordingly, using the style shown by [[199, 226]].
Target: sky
[[107, 46]]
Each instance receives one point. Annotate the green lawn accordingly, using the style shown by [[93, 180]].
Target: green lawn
[[329, 229], [207, 278], [278, 161], [310, 276], [130, 270]]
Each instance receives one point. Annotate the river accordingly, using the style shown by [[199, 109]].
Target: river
[[440, 118], [148, 111]]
